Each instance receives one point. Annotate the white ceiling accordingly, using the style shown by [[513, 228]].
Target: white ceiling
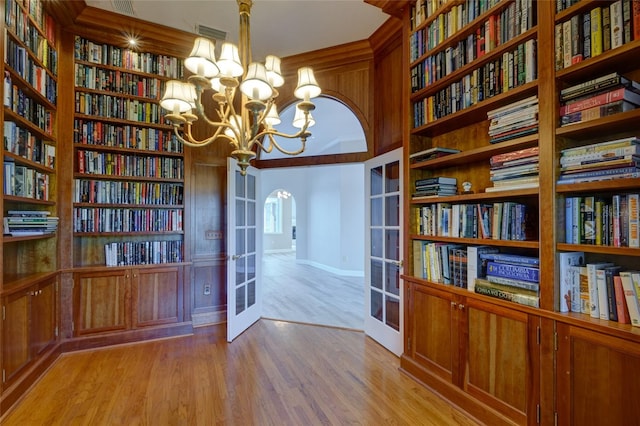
[[282, 28], [278, 27]]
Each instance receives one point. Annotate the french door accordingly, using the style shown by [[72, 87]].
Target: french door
[[383, 247], [244, 295]]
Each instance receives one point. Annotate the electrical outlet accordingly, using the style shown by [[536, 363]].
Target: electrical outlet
[[207, 289], [212, 235]]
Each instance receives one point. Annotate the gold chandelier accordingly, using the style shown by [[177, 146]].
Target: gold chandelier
[[246, 129]]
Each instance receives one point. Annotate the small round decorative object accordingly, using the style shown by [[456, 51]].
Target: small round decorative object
[[466, 188]]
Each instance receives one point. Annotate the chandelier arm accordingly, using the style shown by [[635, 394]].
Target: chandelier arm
[[302, 134], [189, 140]]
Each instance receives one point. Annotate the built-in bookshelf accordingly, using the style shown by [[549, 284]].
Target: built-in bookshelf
[[128, 166], [556, 163], [29, 142]]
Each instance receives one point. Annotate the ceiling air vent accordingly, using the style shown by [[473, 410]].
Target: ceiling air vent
[[210, 33], [123, 6]]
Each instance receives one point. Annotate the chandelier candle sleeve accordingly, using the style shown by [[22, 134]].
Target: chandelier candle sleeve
[[251, 129]]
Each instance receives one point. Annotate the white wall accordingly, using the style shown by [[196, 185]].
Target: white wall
[[330, 213]]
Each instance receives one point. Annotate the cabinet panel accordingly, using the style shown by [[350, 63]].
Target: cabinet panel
[[15, 343], [432, 335], [595, 370], [157, 296], [498, 359], [43, 317], [102, 301]]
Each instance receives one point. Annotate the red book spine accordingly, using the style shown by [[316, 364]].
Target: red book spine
[[601, 99], [636, 19]]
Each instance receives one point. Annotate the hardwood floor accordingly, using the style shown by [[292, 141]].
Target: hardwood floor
[[276, 373], [298, 292]]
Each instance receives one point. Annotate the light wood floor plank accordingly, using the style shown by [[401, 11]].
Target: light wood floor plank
[[276, 373]]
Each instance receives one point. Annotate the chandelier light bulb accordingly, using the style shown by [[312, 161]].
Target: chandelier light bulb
[[202, 59], [255, 84], [299, 120], [307, 85], [178, 96], [229, 61], [272, 64]]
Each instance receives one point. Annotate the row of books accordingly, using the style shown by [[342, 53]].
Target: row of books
[[127, 192], [465, 12], [612, 159], [143, 253], [480, 269], [29, 222], [506, 220], [589, 34], [23, 181], [18, 24], [25, 66], [22, 142], [435, 186], [105, 54], [431, 153], [514, 120], [86, 219], [599, 97], [514, 68], [21, 104], [115, 164], [90, 77], [514, 170], [496, 30], [17, 20], [604, 221], [117, 107], [90, 132], [600, 289]]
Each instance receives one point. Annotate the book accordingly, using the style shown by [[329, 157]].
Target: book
[[600, 146], [616, 25], [598, 84], [569, 282], [510, 282], [514, 259], [431, 153], [602, 155], [437, 180], [622, 311], [631, 296], [606, 28], [606, 294], [519, 272], [594, 304], [583, 276], [596, 31], [635, 18], [476, 265], [617, 94], [596, 112], [488, 289], [633, 209]]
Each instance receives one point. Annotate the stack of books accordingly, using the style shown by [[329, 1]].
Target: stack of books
[[615, 159], [603, 96], [436, 186], [515, 170], [29, 222], [510, 277], [514, 120], [431, 153]]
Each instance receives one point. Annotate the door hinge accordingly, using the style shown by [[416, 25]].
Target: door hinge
[[4, 313], [4, 377], [409, 344], [539, 332], [555, 342], [55, 332], [538, 414]]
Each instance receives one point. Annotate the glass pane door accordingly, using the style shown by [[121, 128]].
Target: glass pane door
[[383, 298]]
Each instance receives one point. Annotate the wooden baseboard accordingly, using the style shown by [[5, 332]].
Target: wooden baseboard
[[453, 394], [130, 336]]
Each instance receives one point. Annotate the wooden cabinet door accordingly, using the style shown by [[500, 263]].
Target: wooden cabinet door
[[102, 301], [43, 316], [597, 378], [16, 352], [433, 341], [501, 357], [157, 296]]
